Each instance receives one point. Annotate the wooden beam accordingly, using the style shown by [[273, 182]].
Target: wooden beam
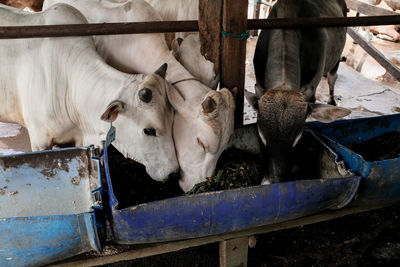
[[233, 55], [233, 252], [373, 52], [210, 30], [367, 9]]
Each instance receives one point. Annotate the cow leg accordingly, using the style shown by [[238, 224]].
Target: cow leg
[[39, 140], [332, 77]]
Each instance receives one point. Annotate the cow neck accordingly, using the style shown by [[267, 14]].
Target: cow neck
[[283, 65], [168, 9], [94, 85], [189, 87]]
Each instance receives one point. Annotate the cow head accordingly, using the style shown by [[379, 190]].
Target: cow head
[[187, 52], [202, 129], [143, 120], [281, 116]]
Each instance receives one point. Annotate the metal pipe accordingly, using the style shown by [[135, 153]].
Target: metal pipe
[[35, 31], [12, 32], [323, 22]]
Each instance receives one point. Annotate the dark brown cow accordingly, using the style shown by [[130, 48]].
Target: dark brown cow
[[289, 64]]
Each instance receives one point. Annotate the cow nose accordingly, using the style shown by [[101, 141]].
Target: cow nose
[[175, 175]]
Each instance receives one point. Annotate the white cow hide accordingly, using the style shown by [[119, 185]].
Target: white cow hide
[[204, 119], [62, 91]]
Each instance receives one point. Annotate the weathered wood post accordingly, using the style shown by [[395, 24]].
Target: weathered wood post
[[234, 252], [210, 30], [233, 55]]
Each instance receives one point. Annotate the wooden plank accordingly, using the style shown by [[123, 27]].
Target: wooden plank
[[140, 251], [233, 55], [373, 52], [368, 9], [210, 30], [233, 252]]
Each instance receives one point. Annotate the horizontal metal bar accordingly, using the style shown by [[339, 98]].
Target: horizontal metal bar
[[97, 29], [11, 32], [322, 22]]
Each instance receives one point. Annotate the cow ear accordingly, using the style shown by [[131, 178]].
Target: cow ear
[[162, 71], [252, 99], [327, 113], [176, 43], [112, 111], [208, 105], [175, 98], [259, 90]]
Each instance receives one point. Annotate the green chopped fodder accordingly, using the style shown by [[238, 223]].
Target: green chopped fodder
[[235, 169]]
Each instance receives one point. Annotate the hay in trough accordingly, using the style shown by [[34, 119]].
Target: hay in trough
[[235, 169]]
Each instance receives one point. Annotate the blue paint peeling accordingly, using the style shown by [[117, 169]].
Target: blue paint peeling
[[37, 231], [47, 211]]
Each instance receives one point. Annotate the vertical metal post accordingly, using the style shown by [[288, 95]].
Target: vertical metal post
[[233, 55]]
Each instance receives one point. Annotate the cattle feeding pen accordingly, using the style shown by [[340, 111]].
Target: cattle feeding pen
[[229, 54]]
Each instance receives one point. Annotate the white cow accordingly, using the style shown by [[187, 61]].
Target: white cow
[[186, 45], [203, 122], [62, 91], [187, 52], [175, 9]]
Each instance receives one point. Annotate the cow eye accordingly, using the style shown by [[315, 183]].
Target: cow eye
[[145, 95], [150, 131], [201, 144]]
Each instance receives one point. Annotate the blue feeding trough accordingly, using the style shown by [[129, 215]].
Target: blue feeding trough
[[48, 204], [329, 186], [381, 175]]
